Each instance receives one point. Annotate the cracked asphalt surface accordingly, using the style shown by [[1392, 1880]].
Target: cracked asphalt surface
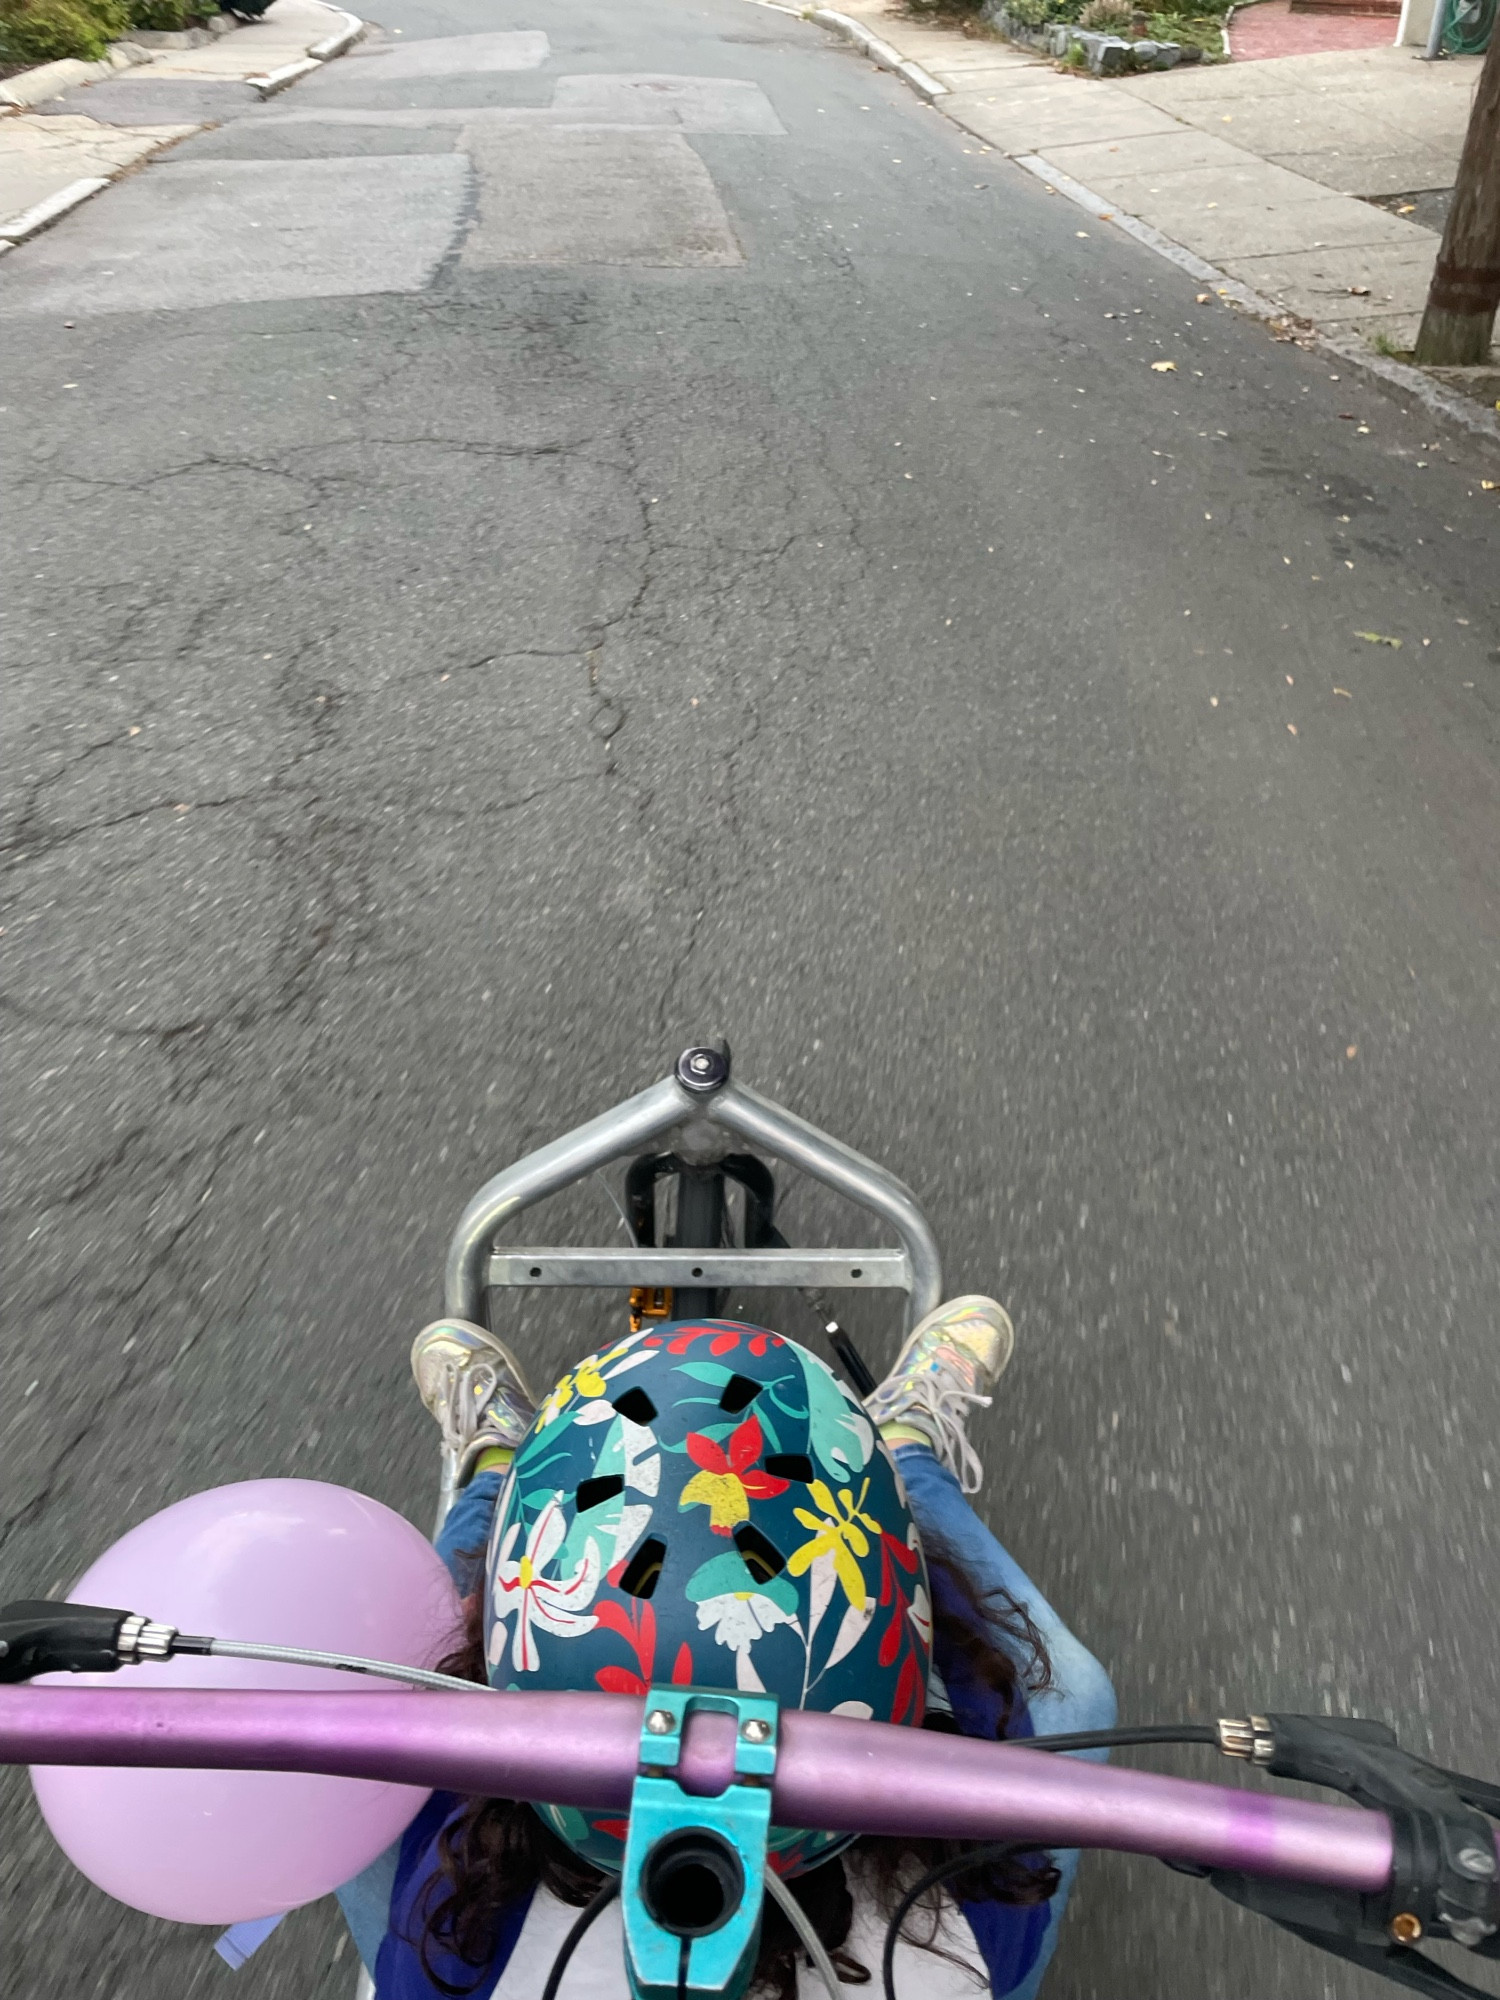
[[428, 711]]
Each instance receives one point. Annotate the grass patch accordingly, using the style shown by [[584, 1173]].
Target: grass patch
[[1392, 350]]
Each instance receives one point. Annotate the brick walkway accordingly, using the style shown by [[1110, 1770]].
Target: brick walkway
[[1270, 28]]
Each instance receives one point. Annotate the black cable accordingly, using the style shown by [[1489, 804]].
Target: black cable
[[571, 1942], [1110, 1739], [1475, 1792], [956, 1864]]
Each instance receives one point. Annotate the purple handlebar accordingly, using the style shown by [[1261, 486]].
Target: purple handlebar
[[583, 1750]]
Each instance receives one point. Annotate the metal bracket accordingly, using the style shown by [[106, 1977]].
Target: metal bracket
[[473, 1262], [692, 1884]]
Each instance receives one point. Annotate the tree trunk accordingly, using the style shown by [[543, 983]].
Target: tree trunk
[[1459, 322]]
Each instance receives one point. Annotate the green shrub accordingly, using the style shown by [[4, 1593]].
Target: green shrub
[[171, 15], [39, 31], [1106, 17], [1196, 30], [1029, 13]]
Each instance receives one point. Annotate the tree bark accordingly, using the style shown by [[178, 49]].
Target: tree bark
[[1459, 322]]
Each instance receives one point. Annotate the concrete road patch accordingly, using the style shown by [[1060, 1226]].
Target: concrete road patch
[[691, 103], [210, 233], [581, 197], [456, 55]]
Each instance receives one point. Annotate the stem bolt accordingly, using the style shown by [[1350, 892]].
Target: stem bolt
[[703, 1070], [1405, 1927], [661, 1722], [756, 1729]]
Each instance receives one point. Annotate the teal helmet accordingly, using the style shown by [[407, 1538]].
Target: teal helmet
[[706, 1504]]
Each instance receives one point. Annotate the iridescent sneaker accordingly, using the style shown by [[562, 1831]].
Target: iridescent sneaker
[[472, 1383], [952, 1359]]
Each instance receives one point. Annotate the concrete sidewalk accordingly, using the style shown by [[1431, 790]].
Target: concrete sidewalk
[[1260, 169], [57, 153]]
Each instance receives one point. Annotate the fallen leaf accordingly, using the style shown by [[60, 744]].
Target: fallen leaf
[[1488, 485], [1359, 291], [1346, 416], [135, 729], [1291, 729], [1345, 693], [1290, 682], [1213, 701], [1203, 298], [1352, 1051], [1379, 639], [1362, 430], [1164, 367], [1407, 208]]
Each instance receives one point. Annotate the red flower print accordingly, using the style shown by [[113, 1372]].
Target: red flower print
[[727, 1480]]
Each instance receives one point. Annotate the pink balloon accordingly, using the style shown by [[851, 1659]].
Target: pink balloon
[[293, 1562]]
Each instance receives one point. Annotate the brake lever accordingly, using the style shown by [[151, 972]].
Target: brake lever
[[1444, 1870]]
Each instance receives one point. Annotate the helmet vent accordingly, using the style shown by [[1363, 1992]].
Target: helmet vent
[[791, 1465], [593, 1492], [643, 1571], [635, 1405], [759, 1554], [739, 1392]]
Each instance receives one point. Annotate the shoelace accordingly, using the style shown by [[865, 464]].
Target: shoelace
[[943, 1401], [467, 1388]]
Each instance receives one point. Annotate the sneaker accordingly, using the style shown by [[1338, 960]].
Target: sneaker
[[472, 1383], [952, 1359]]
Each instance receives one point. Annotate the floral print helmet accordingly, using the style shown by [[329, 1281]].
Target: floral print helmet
[[707, 1504]]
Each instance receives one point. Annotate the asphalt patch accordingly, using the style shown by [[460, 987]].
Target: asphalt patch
[[222, 232]]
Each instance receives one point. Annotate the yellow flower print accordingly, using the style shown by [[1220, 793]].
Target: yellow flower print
[[838, 1531], [587, 1380], [556, 1403]]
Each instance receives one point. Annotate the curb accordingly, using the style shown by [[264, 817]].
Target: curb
[[48, 80], [341, 39], [30, 220], [320, 53], [1349, 349], [278, 79], [1353, 352], [19, 227], [880, 53]]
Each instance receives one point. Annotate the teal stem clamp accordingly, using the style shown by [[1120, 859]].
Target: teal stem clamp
[[692, 1883]]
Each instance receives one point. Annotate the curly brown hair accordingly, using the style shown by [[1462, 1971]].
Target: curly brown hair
[[496, 1850]]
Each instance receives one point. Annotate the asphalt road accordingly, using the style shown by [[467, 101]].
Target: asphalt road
[[575, 583]]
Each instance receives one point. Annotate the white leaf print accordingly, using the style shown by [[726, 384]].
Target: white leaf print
[[853, 1628], [633, 1524]]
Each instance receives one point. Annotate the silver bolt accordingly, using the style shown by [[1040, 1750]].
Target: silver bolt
[[1474, 1861], [756, 1730], [661, 1722], [699, 1063]]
